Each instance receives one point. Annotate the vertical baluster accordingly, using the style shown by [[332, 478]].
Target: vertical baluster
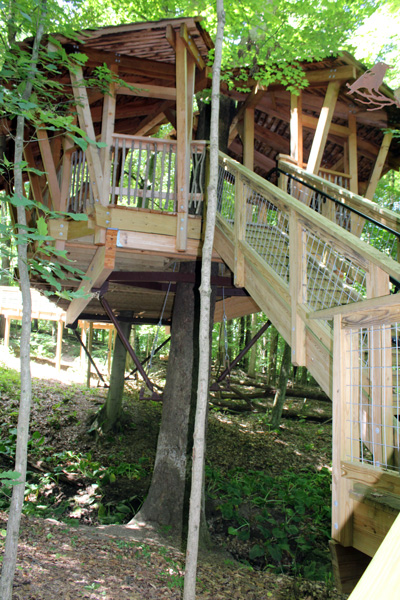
[[169, 177], [78, 195], [121, 179], [71, 190], [114, 171], [146, 176], [162, 177], [153, 183], [130, 171], [138, 175]]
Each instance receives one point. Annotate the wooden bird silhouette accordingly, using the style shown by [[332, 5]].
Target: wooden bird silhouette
[[371, 80]]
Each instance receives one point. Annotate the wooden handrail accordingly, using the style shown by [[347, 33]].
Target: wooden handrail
[[361, 253], [370, 209]]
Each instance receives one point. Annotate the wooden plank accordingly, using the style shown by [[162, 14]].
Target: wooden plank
[[68, 148], [235, 307], [382, 480], [379, 164], [311, 122], [159, 244], [99, 269], [296, 128], [374, 311], [148, 91], [382, 577], [129, 219], [370, 526], [248, 139], [171, 38], [327, 75], [324, 122], [191, 46], [86, 123], [129, 64], [353, 163], [49, 167], [34, 179]]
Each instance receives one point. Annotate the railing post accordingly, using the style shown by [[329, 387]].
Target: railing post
[[298, 287], [342, 509], [239, 229]]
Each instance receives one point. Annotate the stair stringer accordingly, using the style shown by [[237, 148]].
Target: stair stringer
[[273, 297]]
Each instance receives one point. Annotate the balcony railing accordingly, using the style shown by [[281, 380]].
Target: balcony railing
[[143, 175]]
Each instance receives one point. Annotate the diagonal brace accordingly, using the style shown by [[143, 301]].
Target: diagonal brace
[[126, 343], [215, 387]]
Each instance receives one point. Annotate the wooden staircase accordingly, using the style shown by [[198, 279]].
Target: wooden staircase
[[328, 294]]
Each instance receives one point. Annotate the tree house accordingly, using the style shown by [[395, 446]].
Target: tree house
[[293, 236]]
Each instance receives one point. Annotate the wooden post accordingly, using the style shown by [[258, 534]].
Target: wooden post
[[379, 164], [248, 138], [89, 347], [49, 166], [342, 526], [111, 340], [82, 356], [60, 328], [7, 331], [324, 122], [296, 129], [298, 287], [107, 129], [239, 230], [184, 106]]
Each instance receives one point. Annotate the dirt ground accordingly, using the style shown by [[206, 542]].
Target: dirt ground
[[64, 562]]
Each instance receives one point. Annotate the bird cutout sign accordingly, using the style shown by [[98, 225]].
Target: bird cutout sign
[[366, 88]]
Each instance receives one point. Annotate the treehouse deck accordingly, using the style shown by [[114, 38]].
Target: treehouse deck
[[297, 246]]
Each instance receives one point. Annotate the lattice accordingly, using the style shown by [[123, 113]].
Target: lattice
[[332, 279], [226, 194], [267, 231], [374, 396]]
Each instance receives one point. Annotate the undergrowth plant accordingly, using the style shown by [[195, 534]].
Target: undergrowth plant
[[284, 519]]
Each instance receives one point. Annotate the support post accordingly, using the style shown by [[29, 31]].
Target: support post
[[324, 122], [298, 288], [90, 344], [296, 129], [379, 164], [7, 331], [239, 230]]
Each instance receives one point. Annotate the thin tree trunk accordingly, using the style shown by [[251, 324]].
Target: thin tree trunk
[[189, 592], [14, 520], [251, 372], [280, 395], [272, 356]]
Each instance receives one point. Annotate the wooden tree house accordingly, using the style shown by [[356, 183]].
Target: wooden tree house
[[295, 247]]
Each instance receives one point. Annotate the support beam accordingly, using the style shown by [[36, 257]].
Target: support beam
[[145, 90], [296, 128], [248, 139], [86, 123], [99, 269], [107, 129], [379, 164], [50, 168], [324, 123], [191, 46], [251, 102]]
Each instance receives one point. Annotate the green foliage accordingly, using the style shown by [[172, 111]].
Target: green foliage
[[286, 517]]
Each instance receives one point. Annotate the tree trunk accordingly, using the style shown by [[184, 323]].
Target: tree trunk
[[21, 452], [109, 414], [196, 492], [280, 395], [272, 356], [164, 505], [251, 371]]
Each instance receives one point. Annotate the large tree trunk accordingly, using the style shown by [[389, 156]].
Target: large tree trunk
[[164, 505], [272, 356], [109, 414]]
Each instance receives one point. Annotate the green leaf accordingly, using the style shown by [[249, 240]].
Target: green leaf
[[42, 226]]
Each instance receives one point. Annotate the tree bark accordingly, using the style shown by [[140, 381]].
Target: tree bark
[[280, 395], [164, 505], [110, 413], [251, 371], [21, 453], [189, 592], [272, 356]]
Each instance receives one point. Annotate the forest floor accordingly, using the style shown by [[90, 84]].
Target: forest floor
[[73, 544]]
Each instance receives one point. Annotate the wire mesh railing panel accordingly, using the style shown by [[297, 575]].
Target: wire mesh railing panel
[[80, 194], [373, 396], [226, 193], [267, 231], [380, 239], [197, 177], [332, 278], [143, 173]]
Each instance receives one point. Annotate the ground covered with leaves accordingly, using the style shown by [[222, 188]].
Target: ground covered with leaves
[[267, 502]]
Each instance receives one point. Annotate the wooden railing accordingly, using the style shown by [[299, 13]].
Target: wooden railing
[[143, 175], [306, 262], [366, 425]]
